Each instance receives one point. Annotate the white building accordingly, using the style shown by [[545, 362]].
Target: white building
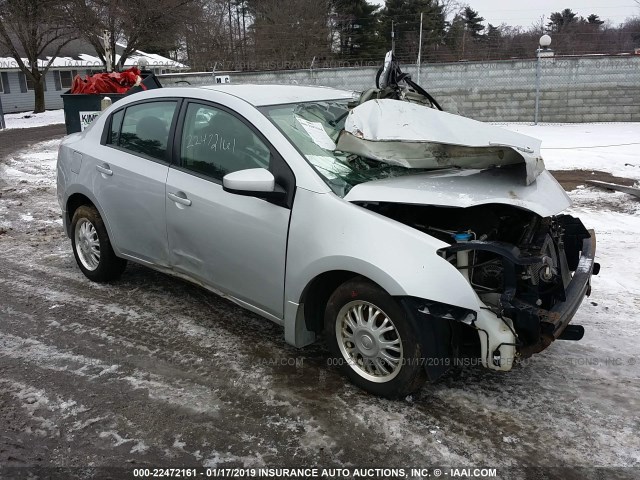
[[78, 58]]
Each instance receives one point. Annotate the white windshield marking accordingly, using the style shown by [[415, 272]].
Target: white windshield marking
[[317, 133]]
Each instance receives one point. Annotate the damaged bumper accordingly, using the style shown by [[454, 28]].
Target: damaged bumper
[[554, 323], [580, 286], [515, 327]]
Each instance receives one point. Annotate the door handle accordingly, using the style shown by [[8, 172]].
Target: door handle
[[178, 199], [105, 169]]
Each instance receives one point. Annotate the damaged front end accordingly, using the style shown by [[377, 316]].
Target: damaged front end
[[417, 137], [530, 272], [538, 283], [483, 191]]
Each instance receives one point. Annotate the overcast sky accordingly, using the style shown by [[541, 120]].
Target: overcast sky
[[526, 13]]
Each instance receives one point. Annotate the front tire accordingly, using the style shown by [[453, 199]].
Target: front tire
[[92, 247], [371, 340]]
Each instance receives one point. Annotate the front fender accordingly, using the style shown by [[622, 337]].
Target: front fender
[[328, 233]]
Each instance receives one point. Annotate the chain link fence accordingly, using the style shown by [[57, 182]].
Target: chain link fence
[[595, 88]]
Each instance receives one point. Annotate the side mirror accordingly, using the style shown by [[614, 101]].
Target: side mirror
[[253, 182]]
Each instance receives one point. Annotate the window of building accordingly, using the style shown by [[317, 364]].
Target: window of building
[[66, 78], [30, 84]]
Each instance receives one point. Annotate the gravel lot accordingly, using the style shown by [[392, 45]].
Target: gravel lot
[[154, 371]]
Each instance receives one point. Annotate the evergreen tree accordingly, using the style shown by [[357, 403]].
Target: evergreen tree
[[493, 33], [456, 36], [561, 20], [405, 15], [473, 22], [594, 19], [356, 25]]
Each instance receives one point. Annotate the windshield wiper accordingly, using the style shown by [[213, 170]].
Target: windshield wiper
[[335, 122]]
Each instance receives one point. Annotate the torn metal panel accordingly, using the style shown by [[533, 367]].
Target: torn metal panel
[[415, 136], [615, 187]]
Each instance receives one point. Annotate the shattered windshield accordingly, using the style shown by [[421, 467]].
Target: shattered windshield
[[314, 127]]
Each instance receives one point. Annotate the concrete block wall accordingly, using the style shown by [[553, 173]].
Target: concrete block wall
[[572, 89]]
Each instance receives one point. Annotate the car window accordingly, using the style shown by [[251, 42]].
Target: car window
[[145, 128], [215, 143]]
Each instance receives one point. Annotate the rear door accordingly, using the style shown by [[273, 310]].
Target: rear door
[[236, 244], [129, 178]]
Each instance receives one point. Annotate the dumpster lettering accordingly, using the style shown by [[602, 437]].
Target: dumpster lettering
[[86, 118]]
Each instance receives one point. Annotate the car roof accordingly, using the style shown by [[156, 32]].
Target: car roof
[[260, 95]]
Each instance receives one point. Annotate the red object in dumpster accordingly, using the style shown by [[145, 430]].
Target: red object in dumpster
[[107, 82]]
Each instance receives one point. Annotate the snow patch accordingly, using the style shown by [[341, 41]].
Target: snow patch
[[30, 120], [220, 459], [138, 447], [607, 147], [37, 403]]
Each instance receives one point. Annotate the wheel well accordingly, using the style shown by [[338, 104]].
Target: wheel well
[[317, 293], [74, 202]]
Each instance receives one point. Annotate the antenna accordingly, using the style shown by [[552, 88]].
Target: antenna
[[420, 48]]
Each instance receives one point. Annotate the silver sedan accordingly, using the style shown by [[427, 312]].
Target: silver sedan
[[410, 238]]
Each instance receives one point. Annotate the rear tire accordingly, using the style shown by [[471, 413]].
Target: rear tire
[[372, 341], [92, 247]]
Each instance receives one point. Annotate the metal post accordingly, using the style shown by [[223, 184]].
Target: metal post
[[393, 39], [313, 61], [535, 120], [420, 48], [542, 51], [105, 103], [2, 123]]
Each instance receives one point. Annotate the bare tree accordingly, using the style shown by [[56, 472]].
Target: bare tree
[[280, 34], [29, 29], [132, 23], [206, 36], [290, 34]]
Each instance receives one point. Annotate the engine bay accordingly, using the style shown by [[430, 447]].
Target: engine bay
[[518, 262]]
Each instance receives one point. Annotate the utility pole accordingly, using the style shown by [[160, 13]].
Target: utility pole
[[420, 48], [2, 122], [537, 107], [393, 39], [464, 35]]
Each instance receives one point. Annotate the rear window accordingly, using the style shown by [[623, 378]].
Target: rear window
[[144, 128]]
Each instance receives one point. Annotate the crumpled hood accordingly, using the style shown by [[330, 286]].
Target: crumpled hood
[[415, 136], [467, 188]]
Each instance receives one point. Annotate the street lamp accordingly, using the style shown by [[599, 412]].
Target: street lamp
[[545, 41], [543, 50]]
